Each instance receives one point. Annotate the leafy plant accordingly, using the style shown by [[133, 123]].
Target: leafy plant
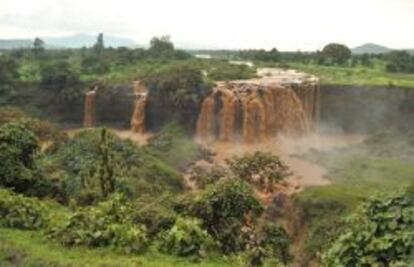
[[107, 224], [18, 146], [276, 241], [17, 211], [224, 208], [261, 169], [380, 233], [186, 238], [206, 176]]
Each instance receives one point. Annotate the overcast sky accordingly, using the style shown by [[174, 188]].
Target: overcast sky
[[285, 24]]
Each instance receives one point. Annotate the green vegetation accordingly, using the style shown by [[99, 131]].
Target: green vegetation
[[94, 199], [358, 76], [107, 224], [110, 195], [379, 233], [28, 248], [263, 170], [186, 238], [383, 163], [21, 212]]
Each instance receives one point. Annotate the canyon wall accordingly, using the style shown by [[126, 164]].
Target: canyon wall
[[367, 109]]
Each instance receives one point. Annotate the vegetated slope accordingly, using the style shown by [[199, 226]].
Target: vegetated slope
[[382, 164]]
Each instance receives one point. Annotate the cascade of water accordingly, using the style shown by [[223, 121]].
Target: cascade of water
[[255, 112], [89, 119], [138, 116]]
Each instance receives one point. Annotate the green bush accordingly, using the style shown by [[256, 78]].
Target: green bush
[[185, 238], [276, 241], [380, 233], [18, 146], [262, 169], [157, 217], [107, 224], [44, 130], [224, 209], [206, 176], [17, 211]]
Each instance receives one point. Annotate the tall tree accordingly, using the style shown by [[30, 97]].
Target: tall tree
[[38, 46], [336, 54], [99, 45], [161, 44]]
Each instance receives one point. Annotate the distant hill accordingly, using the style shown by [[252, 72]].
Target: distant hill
[[15, 43], [371, 49], [71, 41], [81, 40]]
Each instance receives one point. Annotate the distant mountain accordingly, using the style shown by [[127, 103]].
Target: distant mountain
[[15, 43], [81, 40], [72, 41], [371, 49]]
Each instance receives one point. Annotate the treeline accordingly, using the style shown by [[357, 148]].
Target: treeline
[[331, 55], [64, 72]]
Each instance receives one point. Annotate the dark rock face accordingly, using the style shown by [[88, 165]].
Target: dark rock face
[[114, 105], [367, 109]]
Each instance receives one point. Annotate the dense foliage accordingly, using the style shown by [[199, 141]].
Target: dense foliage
[[380, 233], [263, 170], [175, 94], [400, 61], [44, 130], [21, 212], [18, 147], [62, 81], [107, 224], [335, 54], [186, 238], [224, 208]]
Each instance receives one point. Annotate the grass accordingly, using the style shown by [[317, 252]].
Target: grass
[[375, 76], [381, 164], [29, 248], [358, 76]]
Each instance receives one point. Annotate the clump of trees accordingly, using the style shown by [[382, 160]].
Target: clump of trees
[[400, 61], [272, 55], [62, 81]]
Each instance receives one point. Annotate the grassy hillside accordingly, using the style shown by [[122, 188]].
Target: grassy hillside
[[382, 164]]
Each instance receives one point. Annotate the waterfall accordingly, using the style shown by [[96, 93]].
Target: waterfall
[[138, 116], [253, 112], [89, 119]]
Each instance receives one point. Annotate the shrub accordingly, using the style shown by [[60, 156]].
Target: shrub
[[61, 80], [206, 176], [185, 238], [261, 169], [380, 233], [224, 209], [44, 130], [155, 216], [107, 224], [17, 149], [276, 241], [17, 211]]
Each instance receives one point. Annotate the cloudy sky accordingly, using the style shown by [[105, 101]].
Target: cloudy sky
[[285, 24]]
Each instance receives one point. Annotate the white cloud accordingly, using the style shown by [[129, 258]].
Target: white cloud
[[287, 24]]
